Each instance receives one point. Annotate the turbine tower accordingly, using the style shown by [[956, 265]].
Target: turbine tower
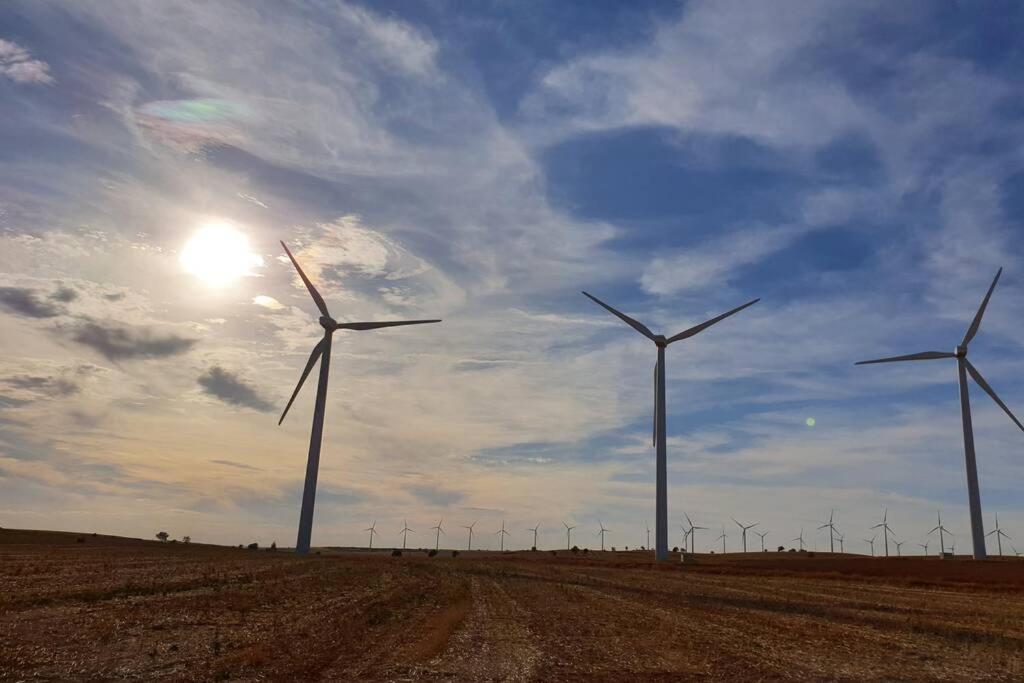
[[799, 538], [722, 539], [1000, 535], [899, 544], [469, 546], [648, 546], [924, 546], [601, 533], [534, 530], [942, 532], [693, 534], [964, 367], [871, 542], [372, 529], [762, 534], [440, 530], [322, 352], [405, 531], [744, 528], [832, 531], [502, 534], [886, 530], [568, 536], [661, 448]]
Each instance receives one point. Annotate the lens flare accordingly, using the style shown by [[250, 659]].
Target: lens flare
[[811, 422], [218, 254]]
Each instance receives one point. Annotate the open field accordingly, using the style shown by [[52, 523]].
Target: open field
[[110, 608]]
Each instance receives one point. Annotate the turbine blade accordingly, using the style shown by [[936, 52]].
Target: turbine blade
[[704, 325], [976, 323], [636, 325], [991, 392], [313, 358], [924, 355], [374, 326], [309, 285]]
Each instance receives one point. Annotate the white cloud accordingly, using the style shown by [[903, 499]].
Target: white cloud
[[16, 64]]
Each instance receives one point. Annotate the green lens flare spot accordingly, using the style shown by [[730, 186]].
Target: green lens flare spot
[[811, 422]]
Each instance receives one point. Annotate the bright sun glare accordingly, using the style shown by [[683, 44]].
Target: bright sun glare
[[219, 254]]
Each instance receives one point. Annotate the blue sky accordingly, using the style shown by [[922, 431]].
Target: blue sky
[[858, 166]]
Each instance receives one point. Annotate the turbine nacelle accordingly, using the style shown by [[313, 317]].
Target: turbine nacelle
[[960, 351], [328, 323]]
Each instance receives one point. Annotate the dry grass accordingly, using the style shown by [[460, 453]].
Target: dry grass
[[121, 608]]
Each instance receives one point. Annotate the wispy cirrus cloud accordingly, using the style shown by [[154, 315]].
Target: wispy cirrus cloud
[[17, 64]]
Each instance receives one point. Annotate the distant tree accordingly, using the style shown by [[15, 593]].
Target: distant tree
[[432, 552], [396, 553], [253, 546], [782, 548], [675, 549], [533, 548], [455, 553], [586, 550], [575, 549], [186, 539], [613, 549], [163, 536], [627, 548], [273, 545]]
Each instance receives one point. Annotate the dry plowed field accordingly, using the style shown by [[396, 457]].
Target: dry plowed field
[[109, 608]]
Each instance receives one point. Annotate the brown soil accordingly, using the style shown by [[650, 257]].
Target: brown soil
[[106, 608]]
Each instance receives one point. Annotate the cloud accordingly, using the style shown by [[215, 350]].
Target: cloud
[[238, 465], [16, 64], [267, 302], [436, 495], [121, 342], [229, 388], [50, 386], [24, 301], [64, 295]]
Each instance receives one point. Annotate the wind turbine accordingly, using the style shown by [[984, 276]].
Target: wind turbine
[[799, 538], [602, 532], [744, 528], [502, 534], [722, 539], [322, 352], [372, 530], [899, 544], [1015, 551], [924, 546], [871, 541], [762, 534], [648, 546], [470, 527], [534, 530], [693, 534], [440, 530], [661, 448], [568, 535], [1000, 534], [964, 367], [886, 530], [832, 531], [405, 531], [942, 531], [840, 539]]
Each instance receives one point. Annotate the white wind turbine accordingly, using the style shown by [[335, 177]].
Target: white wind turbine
[[648, 546], [405, 531], [372, 529], [942, 532], [840, 538], [534, 530], [722, 539], [899, 544], [762, 534], [871, 542], [886, 530], [832, 531], [601, 533], [693, 533], [502, 534], [924, 547], [322, 352], [469, 546], [799, 538], [568, 535], [964, 367], [744, 528], [1000, 535], [661, 467], [439, 528]]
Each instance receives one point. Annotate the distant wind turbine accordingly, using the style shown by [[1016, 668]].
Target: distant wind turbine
[[1000, 535], [693, 534], [832, 531], [322, 352], [840, 538], [942, 531], [924, 546], [964, 367], [534, 530], [648, 546], [661, 467], [762, 534], [899, 544], [405, 531], [469, 546], [568, 536], [799, 539], [886, 530], [439, 528], [502, 534], [871, 542], [722, 539], [744, 528], [602, 532], [372, 529]]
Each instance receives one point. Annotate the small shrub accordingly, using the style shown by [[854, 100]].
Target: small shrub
[[675, 549], [186, 539], [273, 545], [163, 536], [455, 553], [253, 546], [396, 553], [782, 549], [432, 552], [575, 549], [792, 550], [174, 540], [240, 545], [533, 548], [586, 550], [613, 549]]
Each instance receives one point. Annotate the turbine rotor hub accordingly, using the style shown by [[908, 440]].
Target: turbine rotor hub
[[660, 341], [960, 352], [328, 323]]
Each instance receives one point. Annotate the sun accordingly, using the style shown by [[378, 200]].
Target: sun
[[219, 254]]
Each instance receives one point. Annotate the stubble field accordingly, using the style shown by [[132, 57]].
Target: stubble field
[[109, 608]]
